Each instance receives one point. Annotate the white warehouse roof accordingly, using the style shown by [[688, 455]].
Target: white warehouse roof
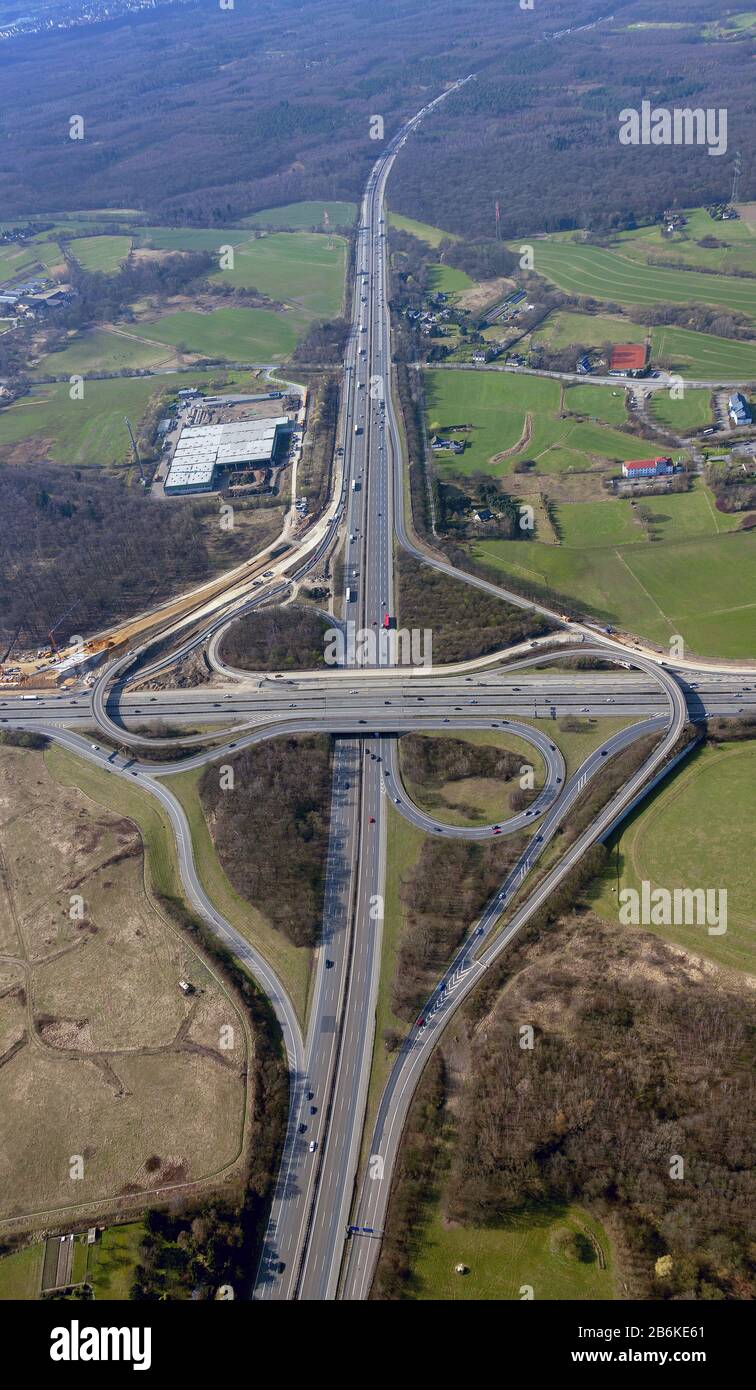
[[203, 448], [242, 441], [189, 474]]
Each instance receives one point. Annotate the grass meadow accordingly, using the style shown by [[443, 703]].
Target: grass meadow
[[691, 833]]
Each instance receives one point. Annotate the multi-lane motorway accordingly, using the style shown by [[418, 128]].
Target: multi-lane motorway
[[482, 698], [316, 1229], [321, 1192]]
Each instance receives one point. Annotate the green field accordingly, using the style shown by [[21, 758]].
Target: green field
[[302, 216], [91, 431], [448, 280], [699, 586], [526, 1251], [97, 350], [737, 252], [613, 275], [50, 256], [693, 833], [734, 26], [88, 214], [577, 744], [679, 349], [191, 238], [404, 843], [498, 406], [303, 269], [21, 1273], [238, 335], [657, 24], [105, 253], [422, 230], [673, 517], [598, 524], [108, 1265], [16, 261], [563, 327], [87, 431], [690, 412], [703, 354], [605, 403]]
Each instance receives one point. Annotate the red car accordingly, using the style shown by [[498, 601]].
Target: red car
[[421, 1023]]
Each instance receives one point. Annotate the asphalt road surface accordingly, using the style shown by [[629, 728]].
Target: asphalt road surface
[[320, 1193]]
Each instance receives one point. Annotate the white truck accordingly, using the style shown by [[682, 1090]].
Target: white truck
[[351, 594]]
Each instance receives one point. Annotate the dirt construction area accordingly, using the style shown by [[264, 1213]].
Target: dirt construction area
[[113, 1081]]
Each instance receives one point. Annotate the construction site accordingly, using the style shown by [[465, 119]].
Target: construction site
[[234, 445]]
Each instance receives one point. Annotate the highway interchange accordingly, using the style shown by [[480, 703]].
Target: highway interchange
[[327, 1214]]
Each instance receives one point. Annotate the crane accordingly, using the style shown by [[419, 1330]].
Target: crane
[[55, 626], [9, 649], [135, 450]]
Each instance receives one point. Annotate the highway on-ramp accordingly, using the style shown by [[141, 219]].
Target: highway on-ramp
[[482, 946], [320, 1190]]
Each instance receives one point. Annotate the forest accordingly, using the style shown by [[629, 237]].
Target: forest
[[447, 889], [100, 297], [271, 834], [433, 761], [537, 129], [275, 639], [629, 1071], [465, 622], [638, 1056], [83, 541]]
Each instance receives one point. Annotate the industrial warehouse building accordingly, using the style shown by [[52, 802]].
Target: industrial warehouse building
[[203, 451]]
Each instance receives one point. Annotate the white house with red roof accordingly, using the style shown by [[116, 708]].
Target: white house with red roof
[[647, 468]]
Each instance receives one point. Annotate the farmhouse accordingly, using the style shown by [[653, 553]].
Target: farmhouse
[[455, 445], [629, 359], [647, 468]]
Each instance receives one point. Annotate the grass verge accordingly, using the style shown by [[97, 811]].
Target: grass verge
[[292, 964], [533, 1249]]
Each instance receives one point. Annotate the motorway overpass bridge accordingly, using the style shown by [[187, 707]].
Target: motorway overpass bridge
[[321, 1184]]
